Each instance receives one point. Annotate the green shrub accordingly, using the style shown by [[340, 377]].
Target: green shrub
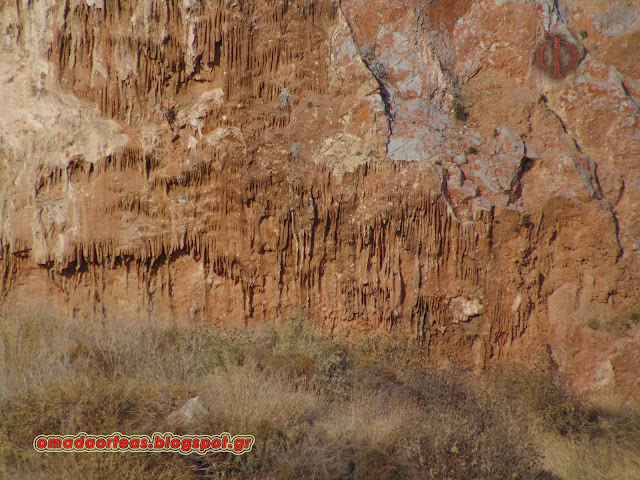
[[460, 112], [536, 394]]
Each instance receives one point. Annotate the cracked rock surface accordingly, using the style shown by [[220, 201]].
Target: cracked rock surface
[[442, 183]]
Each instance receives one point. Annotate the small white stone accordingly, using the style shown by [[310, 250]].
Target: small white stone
[[460, 159], [188, 412]]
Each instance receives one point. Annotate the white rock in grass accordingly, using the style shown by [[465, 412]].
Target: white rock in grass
[[189, 412]]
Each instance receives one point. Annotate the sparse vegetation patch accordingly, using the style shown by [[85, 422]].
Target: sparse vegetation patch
[[460, 112], [284, 97], [320, 408], [296, 148]]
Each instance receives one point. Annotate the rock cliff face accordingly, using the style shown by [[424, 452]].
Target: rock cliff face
[[381, 165]]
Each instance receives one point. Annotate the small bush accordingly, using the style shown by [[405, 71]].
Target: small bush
[[284, 96], [378, 70], [472, 151], [593, 323], [170, 115], [309, 104], [619, 325], [545, 401], [296, 148], [366, 52], [460, 112], [375, 66]]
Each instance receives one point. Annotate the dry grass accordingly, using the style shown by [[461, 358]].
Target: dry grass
[[580, 438], [587, 458], [246, 399], [320, 409], [609, 450]]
